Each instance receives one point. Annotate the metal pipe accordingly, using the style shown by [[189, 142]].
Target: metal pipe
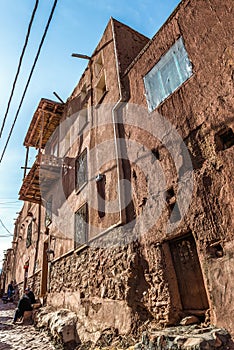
[[58, 97], [26, 161], [114, 109], [79, 55]]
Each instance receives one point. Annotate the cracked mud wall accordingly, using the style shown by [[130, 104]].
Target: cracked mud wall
[[202, 112], [123, 286]]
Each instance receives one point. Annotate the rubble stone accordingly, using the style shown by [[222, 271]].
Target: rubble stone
[[61, 325], [186, 337], [189, 320]]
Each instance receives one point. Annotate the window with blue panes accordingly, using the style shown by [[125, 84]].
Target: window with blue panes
[[171, 71]]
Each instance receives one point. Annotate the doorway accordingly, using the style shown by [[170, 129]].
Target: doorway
[[44, 276], [188, 272]]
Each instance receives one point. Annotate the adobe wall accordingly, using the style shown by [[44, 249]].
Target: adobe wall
[[117, 283], [34, 282], [199, 110], [95, 136]]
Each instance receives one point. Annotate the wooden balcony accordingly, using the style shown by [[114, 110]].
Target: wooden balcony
[[30, 189], [44, 122], [45, 171]]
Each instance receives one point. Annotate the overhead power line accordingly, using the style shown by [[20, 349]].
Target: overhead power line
[[9, 202], [19, 64], [5, 227], [29, 78]]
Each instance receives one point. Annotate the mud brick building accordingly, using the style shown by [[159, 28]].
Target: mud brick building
[[129, 204]]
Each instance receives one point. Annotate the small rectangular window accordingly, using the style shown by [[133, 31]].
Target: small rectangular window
[[83, 118], [81, 170], [101, 89], [81, 226], [98, 65], [171, 71], [48, 214], [29, 235], [84, 92]]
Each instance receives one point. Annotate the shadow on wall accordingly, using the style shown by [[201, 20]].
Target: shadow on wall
[[138, 286]]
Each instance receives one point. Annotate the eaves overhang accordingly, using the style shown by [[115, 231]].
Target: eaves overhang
[[44, 122]]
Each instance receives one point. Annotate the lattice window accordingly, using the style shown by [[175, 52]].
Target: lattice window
[[81, 170], [81, 226]]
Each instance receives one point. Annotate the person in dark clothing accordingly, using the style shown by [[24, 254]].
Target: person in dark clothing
[[24, 304], [10, 290], [31, 295]]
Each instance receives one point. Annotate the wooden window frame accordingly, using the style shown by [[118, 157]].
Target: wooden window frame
[[80, 185], [82, 235]]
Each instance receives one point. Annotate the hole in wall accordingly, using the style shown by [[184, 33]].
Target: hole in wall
[[215, 250], [224, 139], [134, 175], [170, 193], [174, 213], [155, 155]]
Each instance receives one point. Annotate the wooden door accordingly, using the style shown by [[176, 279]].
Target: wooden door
[[44, 270], [189, 275]]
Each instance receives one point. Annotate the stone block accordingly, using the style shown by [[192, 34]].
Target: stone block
[[28, 317], [189, 320], [192, 343]]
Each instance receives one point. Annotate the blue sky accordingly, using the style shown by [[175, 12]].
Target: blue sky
[[77, 26]]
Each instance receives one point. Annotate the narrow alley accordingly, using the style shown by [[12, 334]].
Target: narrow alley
[[21, 337]]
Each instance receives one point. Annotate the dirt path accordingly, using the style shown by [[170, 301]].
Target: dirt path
[[21, 337]]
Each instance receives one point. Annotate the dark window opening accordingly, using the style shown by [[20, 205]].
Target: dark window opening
[[81, 226], [224, 139], [48, 214], [101, 191], [98, 65], [81, 170], [29, 235], [101, 89]]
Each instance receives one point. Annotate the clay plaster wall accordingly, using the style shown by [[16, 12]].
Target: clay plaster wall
[[97, 136], [34, 252], [199, 110]]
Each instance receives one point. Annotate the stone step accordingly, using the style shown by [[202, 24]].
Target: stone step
[[186, 338]]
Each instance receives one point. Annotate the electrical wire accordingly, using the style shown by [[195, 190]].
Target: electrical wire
[[9, 202], [5, 227], [29, 78], [19, 64]]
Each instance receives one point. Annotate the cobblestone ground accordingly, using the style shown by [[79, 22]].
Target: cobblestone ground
[[21, 337]]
